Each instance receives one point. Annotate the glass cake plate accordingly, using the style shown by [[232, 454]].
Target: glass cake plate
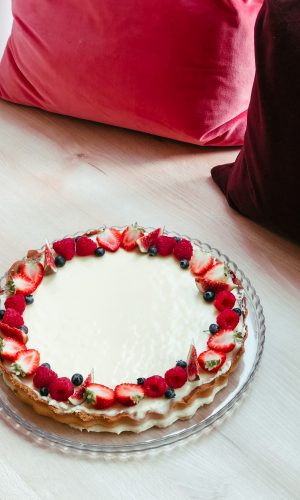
[[47, 432]]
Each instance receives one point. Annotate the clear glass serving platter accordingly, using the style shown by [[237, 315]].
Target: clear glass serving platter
[[47, 432]]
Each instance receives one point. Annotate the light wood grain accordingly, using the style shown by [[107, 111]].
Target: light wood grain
[[58, 175]]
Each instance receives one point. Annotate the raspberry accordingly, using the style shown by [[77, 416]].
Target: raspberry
[[224, 300], [65, 247], [155, 386], [165, 245], [13, 318], [183, 250], [176, 377], [85, 246], [228, 319], [61, 389], [16, 302], [43, 377]]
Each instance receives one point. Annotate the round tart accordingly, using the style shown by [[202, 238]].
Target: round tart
[[120, 330]]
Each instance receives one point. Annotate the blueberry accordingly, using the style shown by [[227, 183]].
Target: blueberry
[[181, 363], [24, 328], [59, 261], [213, 328], [237, 310], [44, 391], [46, 365], [29, 299], [209, 296], [141, 380], [170, 393], [152, 251], [77, 379], [184, 264], [2, 312], [177, 239], [99, 252]]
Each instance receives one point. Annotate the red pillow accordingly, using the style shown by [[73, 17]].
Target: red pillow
[[264, 182], [181, 69]]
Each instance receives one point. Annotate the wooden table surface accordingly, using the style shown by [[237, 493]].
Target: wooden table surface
[[58, 175]]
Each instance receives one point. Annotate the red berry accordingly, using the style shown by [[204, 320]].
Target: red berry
[[12, 318], [16, 302], [165, 245], [43, 377], [224, 300], [61, 389], [65, 247], [211, 361], [183, 250], [129, 394], [85, 246], [155, 386], [228, 319], [176, 377]]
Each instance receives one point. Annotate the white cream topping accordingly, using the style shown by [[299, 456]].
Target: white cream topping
[[124, 315]]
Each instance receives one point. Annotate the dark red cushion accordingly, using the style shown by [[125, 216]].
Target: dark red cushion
[[177, 68], [264, 181]]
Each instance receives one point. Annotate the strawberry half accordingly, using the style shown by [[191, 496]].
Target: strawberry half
[[78, 396], [201, 262], [192, 368], [150, 239], [27, 278], [224, 340], [65, 247], [129, 394], [211, 361], [130, 235], [99, 396], [110, 239], [217, 278], [10, 347], [12, 332], [26, 362], [49, 263]]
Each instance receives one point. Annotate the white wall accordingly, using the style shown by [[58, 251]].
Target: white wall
[[5, 23]]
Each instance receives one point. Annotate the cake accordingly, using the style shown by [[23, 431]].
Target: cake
[[120, 329]]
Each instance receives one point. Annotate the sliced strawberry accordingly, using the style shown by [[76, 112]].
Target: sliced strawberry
[[217, 278], [26, 362], [224, 340], [65, 247], [99, 396], [192, 364], [110, 239], [78, 396], [129, 394], [201, 262], [130, 235], [150, 239], [27, 278], [12, 332], [16, 302], [211, 361], [49, 263], [10, 347], [12, 318]]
